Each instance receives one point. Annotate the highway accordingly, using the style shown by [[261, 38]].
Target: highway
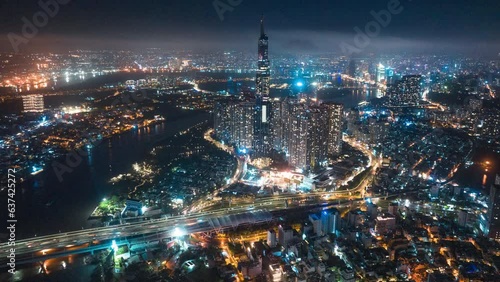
[[190, 222], [60, 240]]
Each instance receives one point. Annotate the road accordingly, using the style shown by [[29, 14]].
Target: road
[[192, 222]]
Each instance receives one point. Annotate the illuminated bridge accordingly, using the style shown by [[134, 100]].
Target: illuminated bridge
[[90, 240]]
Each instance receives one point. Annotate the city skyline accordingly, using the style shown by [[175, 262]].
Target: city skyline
[[189, 141]]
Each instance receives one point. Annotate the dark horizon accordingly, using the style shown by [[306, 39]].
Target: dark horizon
[[454, 27]]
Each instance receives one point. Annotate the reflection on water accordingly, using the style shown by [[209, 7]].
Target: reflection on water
[[74, 199]]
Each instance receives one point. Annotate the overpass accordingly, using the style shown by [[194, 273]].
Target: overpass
[[86, 241], [38, 248], [217, 219]]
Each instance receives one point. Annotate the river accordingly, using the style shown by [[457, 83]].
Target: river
[[45, 205]]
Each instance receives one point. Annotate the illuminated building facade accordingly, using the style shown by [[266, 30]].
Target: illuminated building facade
[[407, 92], [297, 136], [307, 132], [263, 65], [381, 73], [33, 104], [493, 229], [262, 142]]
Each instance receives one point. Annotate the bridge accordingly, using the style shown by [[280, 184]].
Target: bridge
[[218, 220], [214, 220]]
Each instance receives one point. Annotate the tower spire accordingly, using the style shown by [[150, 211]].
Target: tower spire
[[262, 33]]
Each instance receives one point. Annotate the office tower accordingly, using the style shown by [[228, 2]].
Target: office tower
[[271, 238], [262, 132], [262, 141], [330, 220], [381, 73], [389, 76], [463, 217], [233, 87], [316, 222], [263, 67], [33, 104], [285, 235], [406, 92], [494, 211], [351, 68]]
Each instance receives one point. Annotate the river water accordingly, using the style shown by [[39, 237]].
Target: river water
[[45, 205]]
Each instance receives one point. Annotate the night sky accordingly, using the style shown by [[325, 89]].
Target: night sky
[[292, 25]]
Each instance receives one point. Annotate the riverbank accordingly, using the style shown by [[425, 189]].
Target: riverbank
[[74, 199]]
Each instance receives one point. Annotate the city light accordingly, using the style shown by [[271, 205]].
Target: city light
[[114, 246], [178, 232]]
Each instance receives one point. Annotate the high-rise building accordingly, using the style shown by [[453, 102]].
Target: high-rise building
[[407, 92], [334, 122], [494, 210], [234, 123], [263, 66], [271, 238], [463, 217], [33, 104], [285, 235], [381, 75], [351, 68], [311, 132], [297, 136], [330, 221], [279, 126], [316, 223], [262, 142]]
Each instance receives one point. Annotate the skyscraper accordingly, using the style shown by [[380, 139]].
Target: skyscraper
[[313, 133], [381, 73], [494, 210], [334, 127], [234, 123], [262, 142], [297, 136], [263, 67], [330, 221], [406, 92]]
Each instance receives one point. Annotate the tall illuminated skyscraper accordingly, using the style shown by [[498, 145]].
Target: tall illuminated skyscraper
[[262, 142], [381, 73], [263, 66]]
